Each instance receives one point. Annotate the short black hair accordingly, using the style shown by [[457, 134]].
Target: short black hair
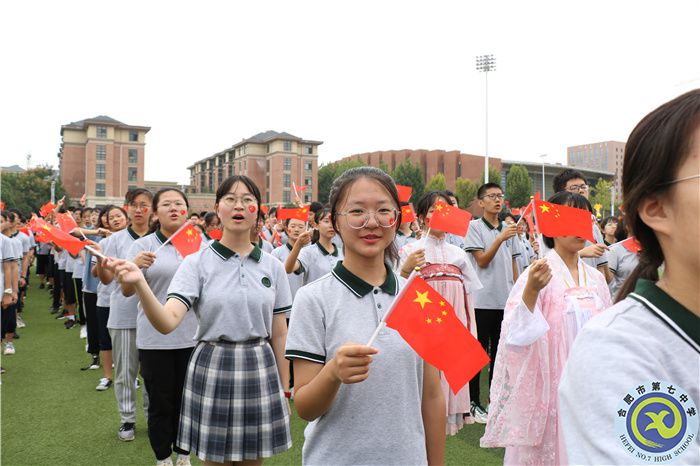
[[485, 187], [568, 199], [133, 193], [559, 182]]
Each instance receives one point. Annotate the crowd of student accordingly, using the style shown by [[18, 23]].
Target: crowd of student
[[269, 296]]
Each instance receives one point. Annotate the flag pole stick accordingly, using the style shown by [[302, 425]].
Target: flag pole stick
[[382, 324], [94, 252], [525, 212], [184, 225]]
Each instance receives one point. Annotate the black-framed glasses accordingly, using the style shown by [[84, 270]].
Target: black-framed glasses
[[574, 188], [494, 196], [359, 218]]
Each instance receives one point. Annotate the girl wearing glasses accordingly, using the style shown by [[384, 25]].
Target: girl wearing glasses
[[233, 403], [447, 268], [643, 352], [365, 405], [318, 259]]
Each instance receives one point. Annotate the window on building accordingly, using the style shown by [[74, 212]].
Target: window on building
[[308, 166], [133, 136], [133, 156], [101, 152], [286, 197], [100, 171], [133, 174], [307, 197], [101, 132], [308, 181], [309, 150], [131, 187], [100, 189], [245, 149], [286, 180], [287, 146], [287, 163]]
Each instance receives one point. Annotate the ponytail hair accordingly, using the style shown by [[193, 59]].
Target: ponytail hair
[[655, 150]]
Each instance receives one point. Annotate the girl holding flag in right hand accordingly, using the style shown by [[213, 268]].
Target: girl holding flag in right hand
[[365, 405]]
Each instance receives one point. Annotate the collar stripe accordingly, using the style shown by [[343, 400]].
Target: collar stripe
[[346, 285]]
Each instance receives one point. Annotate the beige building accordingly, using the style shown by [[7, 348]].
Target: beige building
[[605, 156], [102, 158], [274, 161]]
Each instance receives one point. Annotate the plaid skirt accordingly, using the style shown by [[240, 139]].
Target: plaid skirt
[[233, 405]]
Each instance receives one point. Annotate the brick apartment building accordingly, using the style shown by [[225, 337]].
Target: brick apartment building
[[102, 158], [272, 160]]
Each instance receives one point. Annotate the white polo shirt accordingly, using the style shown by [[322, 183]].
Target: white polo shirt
[[316, 261], [379, 420], [295, 280], [159, 275], [104, 292], [621, 263], [497, 277], [122, 310], [233, 297]]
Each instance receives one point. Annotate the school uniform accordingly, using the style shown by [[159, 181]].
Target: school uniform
[[58, 276], [8, 255], [621, 263], [90, 284], [78, 272], [643, 349], [122, 330], [295, 280], [163, 358], [233, 405], [42, 258], [69, 296], [527, 253], [497, 281], [379, 420], [104, 293], [316, 261], [265, 246]]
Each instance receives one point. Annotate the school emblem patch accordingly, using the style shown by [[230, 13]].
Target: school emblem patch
[[657, 422], [266, 281]]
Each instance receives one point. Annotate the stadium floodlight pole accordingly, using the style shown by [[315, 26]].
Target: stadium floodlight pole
[[544, 196], [486, 63]]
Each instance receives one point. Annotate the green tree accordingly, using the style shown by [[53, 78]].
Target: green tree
[[384, 167], [518, 186], [409, 174], [29, 190], [436, 183], [600, 194], [329, 172], [465, 190], [494, 175]]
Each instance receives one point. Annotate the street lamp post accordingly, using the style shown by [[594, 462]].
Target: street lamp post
[[544, 195], [612, 200], [486, 63]]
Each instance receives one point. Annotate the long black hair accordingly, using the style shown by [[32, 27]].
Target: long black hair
[[655, 150]]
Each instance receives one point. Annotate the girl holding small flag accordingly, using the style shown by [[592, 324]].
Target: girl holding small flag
[[163, 358], [546, 309], [646, 347], [233, 403], [365, 405], [446, 268], [318, 259]]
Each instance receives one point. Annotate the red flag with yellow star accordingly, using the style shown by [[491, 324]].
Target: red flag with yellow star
[[450, 219], [60, 238], [430, 326], [407, 214], [66, 222], [47, 208], [299, 213], [187, 240], [559, 220]]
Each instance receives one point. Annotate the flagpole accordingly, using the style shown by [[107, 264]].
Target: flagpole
[[382, 324], [182, 227], [524, 213]]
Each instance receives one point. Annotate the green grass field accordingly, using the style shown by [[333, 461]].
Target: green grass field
[[52, 414]]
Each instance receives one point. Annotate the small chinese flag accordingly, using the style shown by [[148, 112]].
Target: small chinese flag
[[187, 240], [407, 214], [47, 208], [299, 213], [66, 222], [450, 219], [430, 326], [632, 245], [559, 220], [216, 234], [40, 237], [265, 209], [404, 192], [2, 205], [515, 211], [59, 237]]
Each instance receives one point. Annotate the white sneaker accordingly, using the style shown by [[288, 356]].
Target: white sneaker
[[138, 384], [20, 323], [183, 460], [83, 331], [165, 462], [104, 384], [478, 413], [9, 349]]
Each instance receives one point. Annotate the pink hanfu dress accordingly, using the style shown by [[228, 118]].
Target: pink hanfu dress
[[534, 346], [448, 270]]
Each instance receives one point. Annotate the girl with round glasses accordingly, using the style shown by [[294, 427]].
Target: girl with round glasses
[[447, 268]]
